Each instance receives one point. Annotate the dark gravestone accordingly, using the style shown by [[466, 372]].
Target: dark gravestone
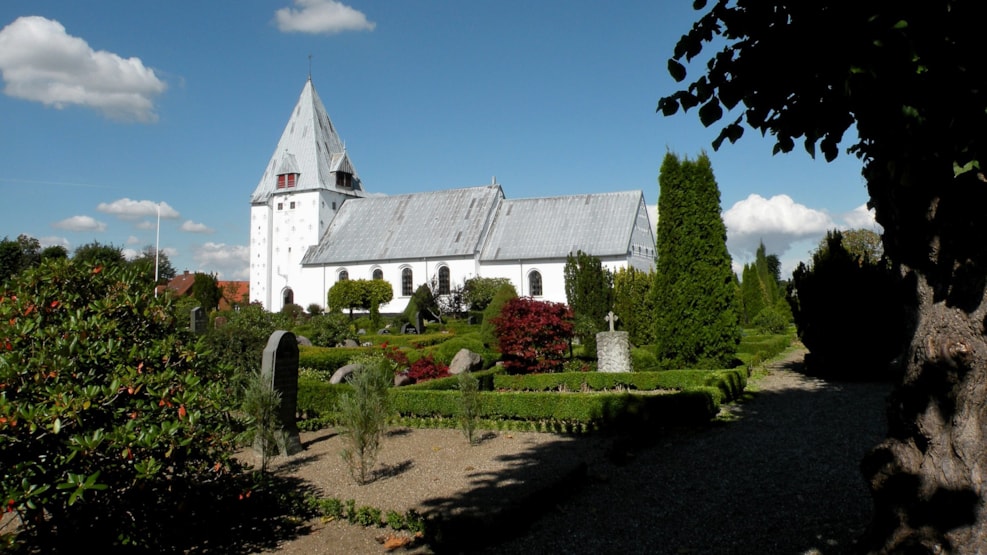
[[408, 328], [279, 368], [198, 320]]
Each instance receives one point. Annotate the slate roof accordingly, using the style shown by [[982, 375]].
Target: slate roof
[[544, 228], [449, 223], [311, 147]]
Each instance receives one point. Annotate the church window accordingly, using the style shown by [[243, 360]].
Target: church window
[[289, 297], [344, 180], [280, 206], [534, 284], [378, 274], [291, 205], [343, 275], [281, 181], [406, 282], [444, 280]]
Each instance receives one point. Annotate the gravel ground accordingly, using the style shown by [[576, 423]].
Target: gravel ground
[[781, 477]]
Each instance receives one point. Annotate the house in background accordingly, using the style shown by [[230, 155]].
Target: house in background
[[312, 225], [235, 294]]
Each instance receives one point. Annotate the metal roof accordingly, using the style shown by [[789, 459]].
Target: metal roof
[[437, 224], [309, 144], [545, 228]]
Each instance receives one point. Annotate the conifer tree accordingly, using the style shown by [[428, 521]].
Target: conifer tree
[[696, 321], [589, 293]]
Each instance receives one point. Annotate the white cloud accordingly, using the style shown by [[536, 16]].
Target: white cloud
[[227, 261], [80, 223], [321, 16], [132, 240], [52, 241], [778, 222], [861, 217], [127, 209], [40, 62], [130, 254], [194, 227]]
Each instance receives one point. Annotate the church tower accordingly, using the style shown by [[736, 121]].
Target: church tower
[[304, 184]]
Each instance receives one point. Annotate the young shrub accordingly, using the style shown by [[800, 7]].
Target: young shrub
[[469, 405], [261, 403], [110, 421], [487, 328], [533, 335], [331, 329], [364, 413]]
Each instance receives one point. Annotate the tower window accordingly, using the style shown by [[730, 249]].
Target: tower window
[[344, 180]]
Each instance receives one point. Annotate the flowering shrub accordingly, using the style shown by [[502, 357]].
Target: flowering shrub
[[395, 355], [110, 423], [427, 368], [533, 335]]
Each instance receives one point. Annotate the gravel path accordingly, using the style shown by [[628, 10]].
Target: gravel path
[[783, 478], [779, 477]]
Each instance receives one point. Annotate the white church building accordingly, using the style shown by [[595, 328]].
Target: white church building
[[313, 224]]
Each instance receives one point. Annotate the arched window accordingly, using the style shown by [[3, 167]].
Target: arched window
[[407, 289], [444, 280], [378, 274], [534, 283], [343, 275], [288, 297]]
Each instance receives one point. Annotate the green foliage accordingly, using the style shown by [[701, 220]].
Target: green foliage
[[479, 291], [205, 290], [329, 359], [364, 413], [329, 330], [18, 255], [238, 346], [422, 302], [771, 319], [145, 265], [469, 399], [643, 359], [633, 303], [760, 291], [261, 404], [362, 294], [96, 254], [505, 293], [589, 293], [696, 323], [849, 312], [104, 405]]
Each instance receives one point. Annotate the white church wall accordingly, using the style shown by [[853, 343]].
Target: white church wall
[[260, 254]]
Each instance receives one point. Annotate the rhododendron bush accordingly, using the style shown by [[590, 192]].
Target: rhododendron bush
[[533, 335], [109, 422]]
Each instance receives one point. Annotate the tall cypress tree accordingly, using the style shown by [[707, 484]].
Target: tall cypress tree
[[589, 293], [696, 323]]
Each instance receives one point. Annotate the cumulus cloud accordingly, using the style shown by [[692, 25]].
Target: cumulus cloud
[[130, 254], [127, 209], [80, 223], [861, 217], [227, 261], [132, 240], [40, 62], [54, 241], [778, 222], [195, 227], [321, 16]]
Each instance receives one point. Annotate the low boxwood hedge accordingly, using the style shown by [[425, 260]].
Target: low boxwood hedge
[[731, 383]]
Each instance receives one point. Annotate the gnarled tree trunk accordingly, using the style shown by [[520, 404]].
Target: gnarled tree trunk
[[927, 477]]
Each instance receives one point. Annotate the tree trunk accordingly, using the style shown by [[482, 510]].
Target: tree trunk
[[927, 477]]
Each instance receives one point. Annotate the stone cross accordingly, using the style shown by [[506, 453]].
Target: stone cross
[[279, 367], [611, 317]]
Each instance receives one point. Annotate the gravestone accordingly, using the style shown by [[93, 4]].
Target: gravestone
[[279, 368], [408, 329], [219, 322], [613, 349], [198, 321]]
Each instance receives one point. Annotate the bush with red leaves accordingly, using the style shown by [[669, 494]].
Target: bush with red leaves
[[533, 335], [427, 368]]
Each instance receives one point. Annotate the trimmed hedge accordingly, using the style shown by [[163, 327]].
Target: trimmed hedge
[[329, 359], [765, 346], [730, 383]]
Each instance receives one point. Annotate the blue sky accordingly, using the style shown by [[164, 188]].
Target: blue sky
[[109, 107]]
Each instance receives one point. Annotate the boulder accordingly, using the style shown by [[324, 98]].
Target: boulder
[[350, 343], [465, 361], [303, 341], [402, 378], [341, 375]]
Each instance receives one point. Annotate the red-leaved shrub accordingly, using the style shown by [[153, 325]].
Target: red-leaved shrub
[[427, 368], [533, 335]]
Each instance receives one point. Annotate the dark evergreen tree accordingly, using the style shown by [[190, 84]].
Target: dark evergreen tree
[[633, 304], [205, 290], [696, 323], [145, 262], [589, 293], [17, 255], [98, 254]]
